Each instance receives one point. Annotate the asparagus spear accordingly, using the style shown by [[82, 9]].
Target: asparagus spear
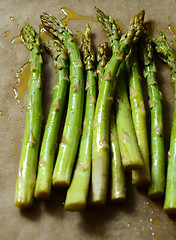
[[169, 57], [111, 28], [100, 157], [73, 124], [130, 154], [76, 198], [25, 184], [139, 177], [131, 157], [118, 188], [49, 142], [102, 59], [156, 188]]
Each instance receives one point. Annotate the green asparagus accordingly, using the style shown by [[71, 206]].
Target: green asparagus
[[131, 157], [73, 123], [111, 28], [76, 198], [25, 184], [118, 188], [100, 157], [139, 177], [169, 57], [130, 154], [50, 138], [156, 188]]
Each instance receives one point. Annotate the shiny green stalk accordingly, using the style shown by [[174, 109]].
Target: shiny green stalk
[[73, 124], [131, 157], [169, 57], [25, 184], [157, 185], [139, 177], [50, 137], [118, 188], [77, 193]]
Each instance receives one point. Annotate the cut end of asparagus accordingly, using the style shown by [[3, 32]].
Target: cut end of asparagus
[[60, 183], [74, 206], [131, 166], [141, 178], [156, 195], [96, 202], [141, 182], [118, 197], [170, 210], [23, 204], [42, 195]]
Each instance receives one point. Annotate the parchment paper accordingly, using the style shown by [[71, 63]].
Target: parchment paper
[[139, 217]]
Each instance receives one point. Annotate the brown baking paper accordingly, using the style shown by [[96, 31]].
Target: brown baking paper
[[138, 217]]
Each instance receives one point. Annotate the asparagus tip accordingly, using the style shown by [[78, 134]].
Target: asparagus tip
[[138, 19]]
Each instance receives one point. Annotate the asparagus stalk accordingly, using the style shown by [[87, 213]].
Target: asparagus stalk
[[50, 138], [76, 198], [25, 183], [131, 157], [102, 59], [130, 154], [156, 188], [139, 177], [73, 124], [100, 156], [169, 57], [118, 188]]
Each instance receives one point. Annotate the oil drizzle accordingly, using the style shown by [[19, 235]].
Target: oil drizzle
[[19, 27], [12, 19], [172, 28], [120, 24], [22, 83], [7, 33], [151, 28], [18, 39], [71, 15]]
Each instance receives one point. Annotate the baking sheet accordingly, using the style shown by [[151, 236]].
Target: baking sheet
[[138, 217]]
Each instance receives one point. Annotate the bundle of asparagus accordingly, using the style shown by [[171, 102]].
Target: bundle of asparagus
[[107, 127]]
